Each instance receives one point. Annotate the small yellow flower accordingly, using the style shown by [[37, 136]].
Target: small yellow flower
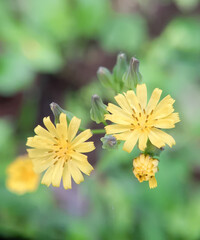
[[20, 176], [136, 120], [59, 152], [144, 168]]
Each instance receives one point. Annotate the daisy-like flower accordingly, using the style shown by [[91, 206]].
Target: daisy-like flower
[[20, 176], [144, 168], [135, 120], [59, 151]]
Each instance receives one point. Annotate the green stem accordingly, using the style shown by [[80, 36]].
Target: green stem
[[94, 131], [98, 131]]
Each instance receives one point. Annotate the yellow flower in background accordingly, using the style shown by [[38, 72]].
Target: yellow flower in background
[[20, 176], [144, 168], [59, 151], [135, 120]]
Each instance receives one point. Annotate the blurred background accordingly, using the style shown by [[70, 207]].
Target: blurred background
[[50, 51]]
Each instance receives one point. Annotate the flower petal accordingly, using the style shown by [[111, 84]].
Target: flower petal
[[57, 173], [117, 110], [79, 156], [49, 125], [131, 141], [73, 128], [85, 167], [40, 166], [168, 122], [63, 119], [152, 182], [141, 91], [123, 103], [122, 136], [117, 128], [82, 137], [168, 139], [75, 172], [133, 101], [85, 147], [116, 118], [47, 178], [155, 97], [164, 123], [40, 131], [143, 141], [62, 126], [61, 131], [67, 182], [155, 139], [38, 142], [164, 108], [37, 153]]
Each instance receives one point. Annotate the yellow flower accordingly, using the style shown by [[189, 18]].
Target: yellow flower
[[135, 119], [20, 176], [144, 168], [59, 152]]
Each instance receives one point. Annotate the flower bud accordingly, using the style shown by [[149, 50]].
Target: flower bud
[[118, 72], [109, 142], [98, 109], [144, 168], [105, 77], [132, 76], [120, 67], [57, 110]]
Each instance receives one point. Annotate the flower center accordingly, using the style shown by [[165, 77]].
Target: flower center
[[141, 120], [62, 149]]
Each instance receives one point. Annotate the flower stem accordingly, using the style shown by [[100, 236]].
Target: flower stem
[[98, 131], [94, 131]]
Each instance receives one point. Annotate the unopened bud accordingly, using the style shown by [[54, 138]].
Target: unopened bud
[[120, 67], [57, 110], [98, 109], [132, 76], [118, 72], [109, 142], [105, 77]]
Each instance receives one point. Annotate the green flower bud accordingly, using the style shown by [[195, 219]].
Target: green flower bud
[[105, 77], [132, 76], [98, 109], [118, 72], [152, 150], [57, 110], [120, 67], [109, 142]]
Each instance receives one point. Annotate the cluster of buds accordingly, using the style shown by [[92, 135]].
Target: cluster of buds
[[123, 77]]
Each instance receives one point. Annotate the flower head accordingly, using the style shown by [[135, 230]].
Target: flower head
[[59, 151], [20, 176], [144, 168], [135, 120]]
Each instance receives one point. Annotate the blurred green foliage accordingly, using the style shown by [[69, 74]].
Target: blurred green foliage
[[40, 36]]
